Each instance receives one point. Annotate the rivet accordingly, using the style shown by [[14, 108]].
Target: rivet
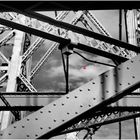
[[41, 111]]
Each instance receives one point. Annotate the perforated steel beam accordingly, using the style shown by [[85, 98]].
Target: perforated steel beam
[[96, 94]]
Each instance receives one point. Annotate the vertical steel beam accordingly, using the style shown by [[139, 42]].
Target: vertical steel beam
[[132, 26], [135, 129], [120, 38], [13, 71]]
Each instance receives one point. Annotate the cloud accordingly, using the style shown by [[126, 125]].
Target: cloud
[[88, 71], [74, 73], [75, 60]]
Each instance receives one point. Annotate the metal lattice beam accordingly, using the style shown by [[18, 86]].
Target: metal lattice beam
[[79, 30], [59, 39], [70, 27]]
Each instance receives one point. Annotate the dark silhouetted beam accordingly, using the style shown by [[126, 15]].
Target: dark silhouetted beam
[[59, 39], [83, 31], [71, 5], [99, 52], [20, 108], [135, 115], [33, 31], [33, 93], [76, 29]]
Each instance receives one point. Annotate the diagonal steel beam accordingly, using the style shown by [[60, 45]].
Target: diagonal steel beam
[[3, 78], [75, 29], [27, 83], [99, 52], [104, 90], [81, 31], [2, 56], [15, 113], [37, 43], [56, 38], [42, 60], [105, 122], [33, 31], [7, 38], [52, 48]]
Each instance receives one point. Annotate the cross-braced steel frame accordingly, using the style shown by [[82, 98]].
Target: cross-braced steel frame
[[98, 102]]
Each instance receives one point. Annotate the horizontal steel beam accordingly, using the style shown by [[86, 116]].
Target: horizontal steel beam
[[59, 39], [20, 108], [33, 93], [3, 68], [106, 109], [69, 5], [15, 113]]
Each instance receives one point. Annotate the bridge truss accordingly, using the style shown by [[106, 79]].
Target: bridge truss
[[96, 103]]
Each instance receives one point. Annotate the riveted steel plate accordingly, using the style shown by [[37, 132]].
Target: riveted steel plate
[[52, 117]]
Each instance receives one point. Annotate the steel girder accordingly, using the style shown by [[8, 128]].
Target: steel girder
[[79, 30], [73, 28], [68, 5], [63, 40], [89, 98]]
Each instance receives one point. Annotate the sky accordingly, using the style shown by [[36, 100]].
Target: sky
[[51, 76]]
